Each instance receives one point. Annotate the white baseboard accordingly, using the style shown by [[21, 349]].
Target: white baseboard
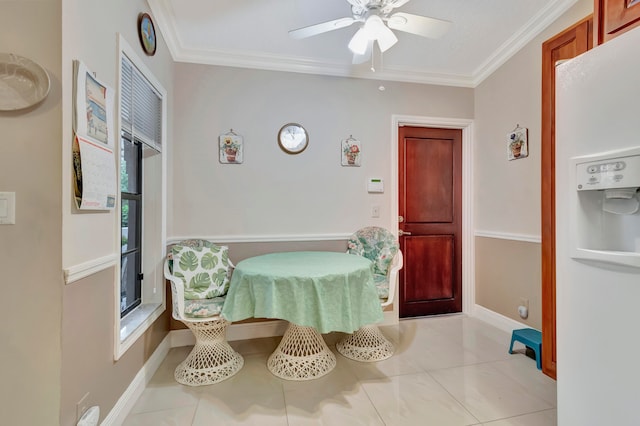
[[253, 330], [497, 320], [127, 400]]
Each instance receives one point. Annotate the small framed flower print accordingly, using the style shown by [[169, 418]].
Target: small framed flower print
[[517, 147], [231, 148], [351, 152]]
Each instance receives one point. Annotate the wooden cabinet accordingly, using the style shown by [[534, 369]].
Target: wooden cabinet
[[614, 17], [568, 44]]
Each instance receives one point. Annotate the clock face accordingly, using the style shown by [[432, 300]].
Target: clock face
[[293, 138]]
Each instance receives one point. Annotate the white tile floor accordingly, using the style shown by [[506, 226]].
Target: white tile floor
[[448, 370]]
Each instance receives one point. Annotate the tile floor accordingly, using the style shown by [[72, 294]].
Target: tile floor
[[447, 370]]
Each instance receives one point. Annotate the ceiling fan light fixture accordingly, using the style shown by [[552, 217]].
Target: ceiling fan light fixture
[[359, 42], [376, 29], [386, 38]]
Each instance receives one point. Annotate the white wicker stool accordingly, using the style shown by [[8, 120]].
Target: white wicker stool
[[301, 355], [366, 344], [212, 359]]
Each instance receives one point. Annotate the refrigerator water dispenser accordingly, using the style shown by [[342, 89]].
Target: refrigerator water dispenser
[[606, 204]]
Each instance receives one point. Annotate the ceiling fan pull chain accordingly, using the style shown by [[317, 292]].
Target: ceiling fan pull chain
[[373, 55]]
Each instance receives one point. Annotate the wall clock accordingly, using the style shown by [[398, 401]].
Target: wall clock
[[293, 138], [147, 33]]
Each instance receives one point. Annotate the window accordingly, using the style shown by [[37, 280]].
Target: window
[[131, 224], [140, 291]]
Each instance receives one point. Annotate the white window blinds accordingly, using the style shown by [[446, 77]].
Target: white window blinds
[[140, 107]]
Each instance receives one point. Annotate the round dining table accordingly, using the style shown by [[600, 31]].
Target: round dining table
[[316, 292]]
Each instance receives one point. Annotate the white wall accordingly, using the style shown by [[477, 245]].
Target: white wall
[[273, 193], [508, 192]]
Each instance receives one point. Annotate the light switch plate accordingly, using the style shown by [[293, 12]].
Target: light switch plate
[[7, 208]]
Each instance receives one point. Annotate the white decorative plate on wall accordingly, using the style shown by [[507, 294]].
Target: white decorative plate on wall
[[23, 83]]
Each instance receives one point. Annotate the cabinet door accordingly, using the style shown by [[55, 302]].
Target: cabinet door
[[614, 17], [568, 44]]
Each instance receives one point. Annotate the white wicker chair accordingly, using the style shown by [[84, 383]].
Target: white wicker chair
[[368, 344], [212, 359]]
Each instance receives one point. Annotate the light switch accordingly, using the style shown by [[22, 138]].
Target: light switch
[[7, 208]]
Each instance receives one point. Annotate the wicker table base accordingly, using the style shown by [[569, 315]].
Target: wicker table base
[[301, 355], [366, 344]]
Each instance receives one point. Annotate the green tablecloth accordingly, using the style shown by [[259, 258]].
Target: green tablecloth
[[326, 290]]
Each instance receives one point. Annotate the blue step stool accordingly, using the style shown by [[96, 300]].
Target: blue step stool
[[530, 338]]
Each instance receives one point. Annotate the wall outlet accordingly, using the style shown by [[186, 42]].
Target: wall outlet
[[82, 406]]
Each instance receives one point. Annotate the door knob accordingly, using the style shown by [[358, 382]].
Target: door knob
[[401, 233]]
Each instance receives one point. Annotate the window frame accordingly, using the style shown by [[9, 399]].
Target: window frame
[[128, 329]]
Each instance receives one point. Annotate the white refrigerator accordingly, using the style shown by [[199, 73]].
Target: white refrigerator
[[598, 235]]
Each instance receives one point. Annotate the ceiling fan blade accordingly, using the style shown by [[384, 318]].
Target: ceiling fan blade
[[419, 25], [323, 27], [361, 59]]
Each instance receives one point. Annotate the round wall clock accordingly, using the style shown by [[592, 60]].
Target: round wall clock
[[147, 33], [293, 138]]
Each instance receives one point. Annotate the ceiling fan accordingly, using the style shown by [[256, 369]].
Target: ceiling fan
[[377, 21]]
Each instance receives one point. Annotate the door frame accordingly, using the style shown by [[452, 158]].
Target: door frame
[[468, 240]]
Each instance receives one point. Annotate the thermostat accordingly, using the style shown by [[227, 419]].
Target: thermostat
[[375, 185]]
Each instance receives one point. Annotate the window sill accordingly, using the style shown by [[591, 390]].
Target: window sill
[[135, 324]]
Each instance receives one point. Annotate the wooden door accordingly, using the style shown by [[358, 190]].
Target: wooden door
[[566, 45], [430, 198], [615, 17]]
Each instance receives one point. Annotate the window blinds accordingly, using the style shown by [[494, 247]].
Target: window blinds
[[140, 107]]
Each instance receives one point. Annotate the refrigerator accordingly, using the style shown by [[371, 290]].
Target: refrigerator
[[598, 235]]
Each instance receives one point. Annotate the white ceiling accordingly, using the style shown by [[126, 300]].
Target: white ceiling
[[254, 34]]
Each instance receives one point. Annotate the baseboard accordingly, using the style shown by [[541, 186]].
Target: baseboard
[[253, 330], [127, 400], [497, 320]]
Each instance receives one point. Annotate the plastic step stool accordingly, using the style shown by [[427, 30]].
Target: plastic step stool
[[530, 338]]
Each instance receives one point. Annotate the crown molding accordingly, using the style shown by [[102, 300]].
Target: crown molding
[[258, 60], [517, 41]]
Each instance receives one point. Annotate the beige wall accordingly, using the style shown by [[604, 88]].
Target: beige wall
[[30, 259], [273, 193], [507, 193], [505, 272]]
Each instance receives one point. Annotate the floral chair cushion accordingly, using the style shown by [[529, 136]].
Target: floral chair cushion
[[382, 285], [203, 308], [203, 269], [376, 244]]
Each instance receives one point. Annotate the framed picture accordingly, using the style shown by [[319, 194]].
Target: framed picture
[[231, 148], [147, 34], [517, 147], [351, 152]]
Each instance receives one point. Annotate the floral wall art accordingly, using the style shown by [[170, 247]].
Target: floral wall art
[[231, 148], [517, 143], [351, 152]]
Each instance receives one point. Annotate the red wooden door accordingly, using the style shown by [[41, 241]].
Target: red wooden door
[[430, 196]]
